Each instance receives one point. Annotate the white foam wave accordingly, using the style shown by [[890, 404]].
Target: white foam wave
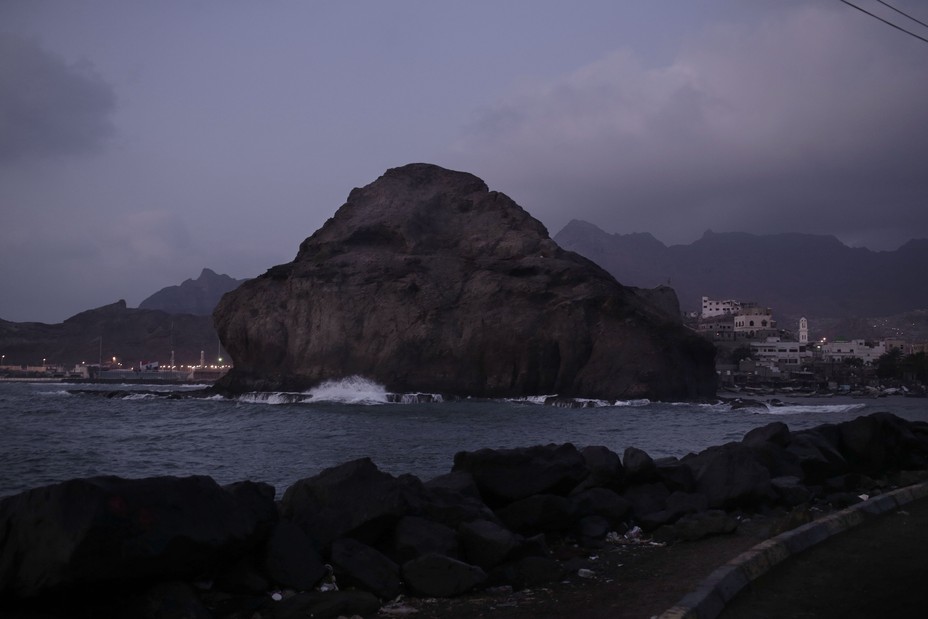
[[140, 396], [634, 403], [273, 397], [799, 409], [351, 390]]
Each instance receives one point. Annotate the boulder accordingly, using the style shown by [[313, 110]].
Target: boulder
[[353, 499], [438, 576], [291, 559], [600, 502], [819, 457], [703, 524], [730, 476], [605, 467], [791, 491], [361, 566], [639, 466], [487, 544], [415, 536], [507, 475], [777, 433], [110, 530], [528, 572], [540, 513], [647, 498], [427, 281]]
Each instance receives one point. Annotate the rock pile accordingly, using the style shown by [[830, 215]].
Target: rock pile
[[353, 537]]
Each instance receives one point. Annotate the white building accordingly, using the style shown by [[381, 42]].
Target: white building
[[713, 307], [840, 351], [776, 353], [754, 322]]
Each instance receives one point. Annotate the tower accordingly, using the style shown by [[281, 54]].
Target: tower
[[803, 331]]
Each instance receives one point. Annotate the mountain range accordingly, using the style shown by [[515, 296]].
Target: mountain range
[[794, 274], [194, 296]]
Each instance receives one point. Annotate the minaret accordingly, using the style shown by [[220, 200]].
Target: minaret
[[803, 331]]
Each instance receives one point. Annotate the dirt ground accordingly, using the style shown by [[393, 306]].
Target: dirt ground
[[629, 580]]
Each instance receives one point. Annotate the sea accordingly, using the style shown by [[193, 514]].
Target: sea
[[51, 432]]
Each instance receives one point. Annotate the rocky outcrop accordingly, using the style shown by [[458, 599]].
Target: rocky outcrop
[[426, 281], [114, 547]]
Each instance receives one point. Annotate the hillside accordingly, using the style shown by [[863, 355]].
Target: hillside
[[130, 335], [796, 274], [194, 296]]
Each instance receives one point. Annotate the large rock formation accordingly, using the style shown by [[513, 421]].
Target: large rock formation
[[427, 281]]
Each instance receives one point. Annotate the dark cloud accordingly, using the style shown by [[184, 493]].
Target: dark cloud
[[803, 121], [49, 107]]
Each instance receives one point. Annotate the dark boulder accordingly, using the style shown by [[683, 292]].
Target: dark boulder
[[354, 499], [438, 576], [108, 530], [507, 475], [730, 476], [777, 433], [639, 466], [415, 536], [488, 544], [540, 513], [426, 281], [647, 498], [291, 559], [600, 502], [605, 466], [361, 566], [528, 572], [818, 456], [696, 526]]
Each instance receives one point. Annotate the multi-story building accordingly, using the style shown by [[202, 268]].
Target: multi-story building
[[774, 352], [753, 322], [713, 307], [840, 351]]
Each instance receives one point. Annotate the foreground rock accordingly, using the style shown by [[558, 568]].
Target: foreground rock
[[426, 281], [352, 537]]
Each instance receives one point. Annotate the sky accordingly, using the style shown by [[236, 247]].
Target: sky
[[143, 141]]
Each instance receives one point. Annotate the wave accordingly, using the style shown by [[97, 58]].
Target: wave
[[351, 390], [559, 402], [355, 390], [800, 409]]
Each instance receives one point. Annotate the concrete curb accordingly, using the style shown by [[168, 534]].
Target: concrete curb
[[708, 600]]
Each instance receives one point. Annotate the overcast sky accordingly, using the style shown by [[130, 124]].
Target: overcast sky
[[143, 141]]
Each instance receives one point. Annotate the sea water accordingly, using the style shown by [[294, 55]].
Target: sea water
[[49, 434]]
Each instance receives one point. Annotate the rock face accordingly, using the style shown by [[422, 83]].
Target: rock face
[[427, 281]]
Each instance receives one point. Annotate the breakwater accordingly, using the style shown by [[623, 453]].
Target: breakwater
[[115, 547]]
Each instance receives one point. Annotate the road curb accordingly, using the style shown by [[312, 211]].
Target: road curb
[[709, 599]]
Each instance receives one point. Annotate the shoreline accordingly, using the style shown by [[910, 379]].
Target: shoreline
[[501, 523]]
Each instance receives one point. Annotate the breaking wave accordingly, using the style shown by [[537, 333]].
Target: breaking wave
[[355, 390], [800, 409], [351, 390]]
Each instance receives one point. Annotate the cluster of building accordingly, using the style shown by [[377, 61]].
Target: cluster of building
[[780, 355]]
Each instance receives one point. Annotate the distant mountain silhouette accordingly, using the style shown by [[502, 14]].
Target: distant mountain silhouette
[[131, 335], [195, 296], [795, 274]]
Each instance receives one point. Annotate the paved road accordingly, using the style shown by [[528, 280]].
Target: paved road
[[877, 569]]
